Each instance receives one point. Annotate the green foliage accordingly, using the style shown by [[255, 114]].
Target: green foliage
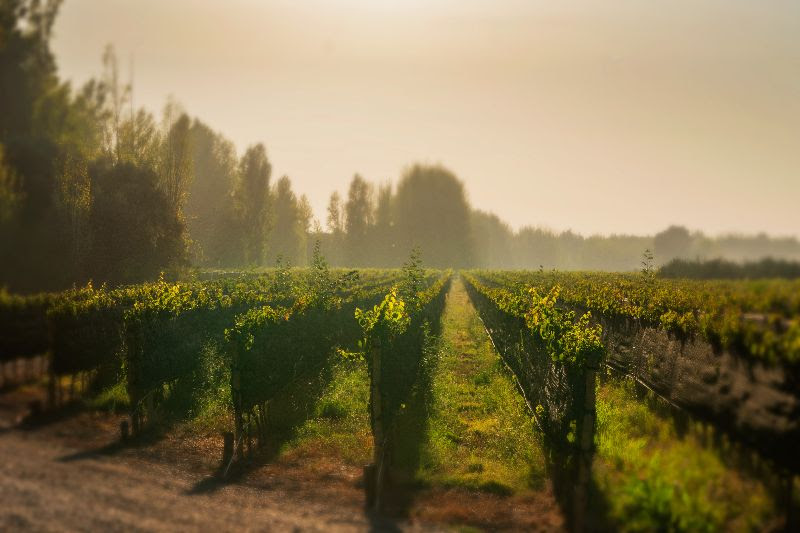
[[357, 221], [565, 338], [135, 232], [23, 325], [340, 422], [400, 336], [113, 399], [317, 324], [759, 319], [251, 196], [385, 320], [555, 330], [86, 328], [549, 351], [289, 224], [431, 212], [654, 480], [413, 277], [723, 269]]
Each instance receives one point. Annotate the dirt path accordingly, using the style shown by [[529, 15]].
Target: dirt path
[[69, 475], [48, 487], [481, 438]]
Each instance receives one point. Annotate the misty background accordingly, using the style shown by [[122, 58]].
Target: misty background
[[237, 135]]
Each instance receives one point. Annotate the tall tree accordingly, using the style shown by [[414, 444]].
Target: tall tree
[[333, 243], [288, 235], [359, 213], [431, 212], [35, 117], [135, 233], [335, 215], [673, 242], [141, 141], [492, 240], [115, 95], [10, 195], [176, 158], [210, 214], [252, 200], [382, 233], [306, 215], [27, 67]]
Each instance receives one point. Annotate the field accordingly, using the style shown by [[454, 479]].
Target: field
[[410, 398]]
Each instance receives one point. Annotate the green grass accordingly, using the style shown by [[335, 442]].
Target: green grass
[[339, 426], [653, 479], [113, 399], [481, 436]]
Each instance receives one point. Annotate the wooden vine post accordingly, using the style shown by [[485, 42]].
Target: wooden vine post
[[51, 375], [137, 417], [377, 420], [588, 413], [236, 396]]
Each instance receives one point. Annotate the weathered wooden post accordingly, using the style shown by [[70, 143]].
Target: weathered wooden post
[[586, 445], [51, 390], [249, 434], [227, 448], [150, 410], [236, 396], [136, 425], [51, 381]]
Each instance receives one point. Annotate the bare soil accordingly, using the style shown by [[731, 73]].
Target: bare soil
[[68, 471]]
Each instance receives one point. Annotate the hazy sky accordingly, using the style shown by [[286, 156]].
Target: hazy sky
[[603, 117]]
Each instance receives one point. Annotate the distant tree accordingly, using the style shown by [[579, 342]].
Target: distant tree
[[358, 218], [175, 167], [492, 239], [252, 200], [382, 234], [673, 242], [214, 229], [723, 269], [134, 232], [306, 214], [333, 242], [431, 212], [534, 247], [288, 236], [141, 141], [74, 203], [335, 214], [115, 95], [10, 193]]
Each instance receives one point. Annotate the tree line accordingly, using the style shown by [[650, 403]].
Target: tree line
[[93, 188]]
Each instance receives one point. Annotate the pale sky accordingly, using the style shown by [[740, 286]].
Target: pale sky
[[619, 116]]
